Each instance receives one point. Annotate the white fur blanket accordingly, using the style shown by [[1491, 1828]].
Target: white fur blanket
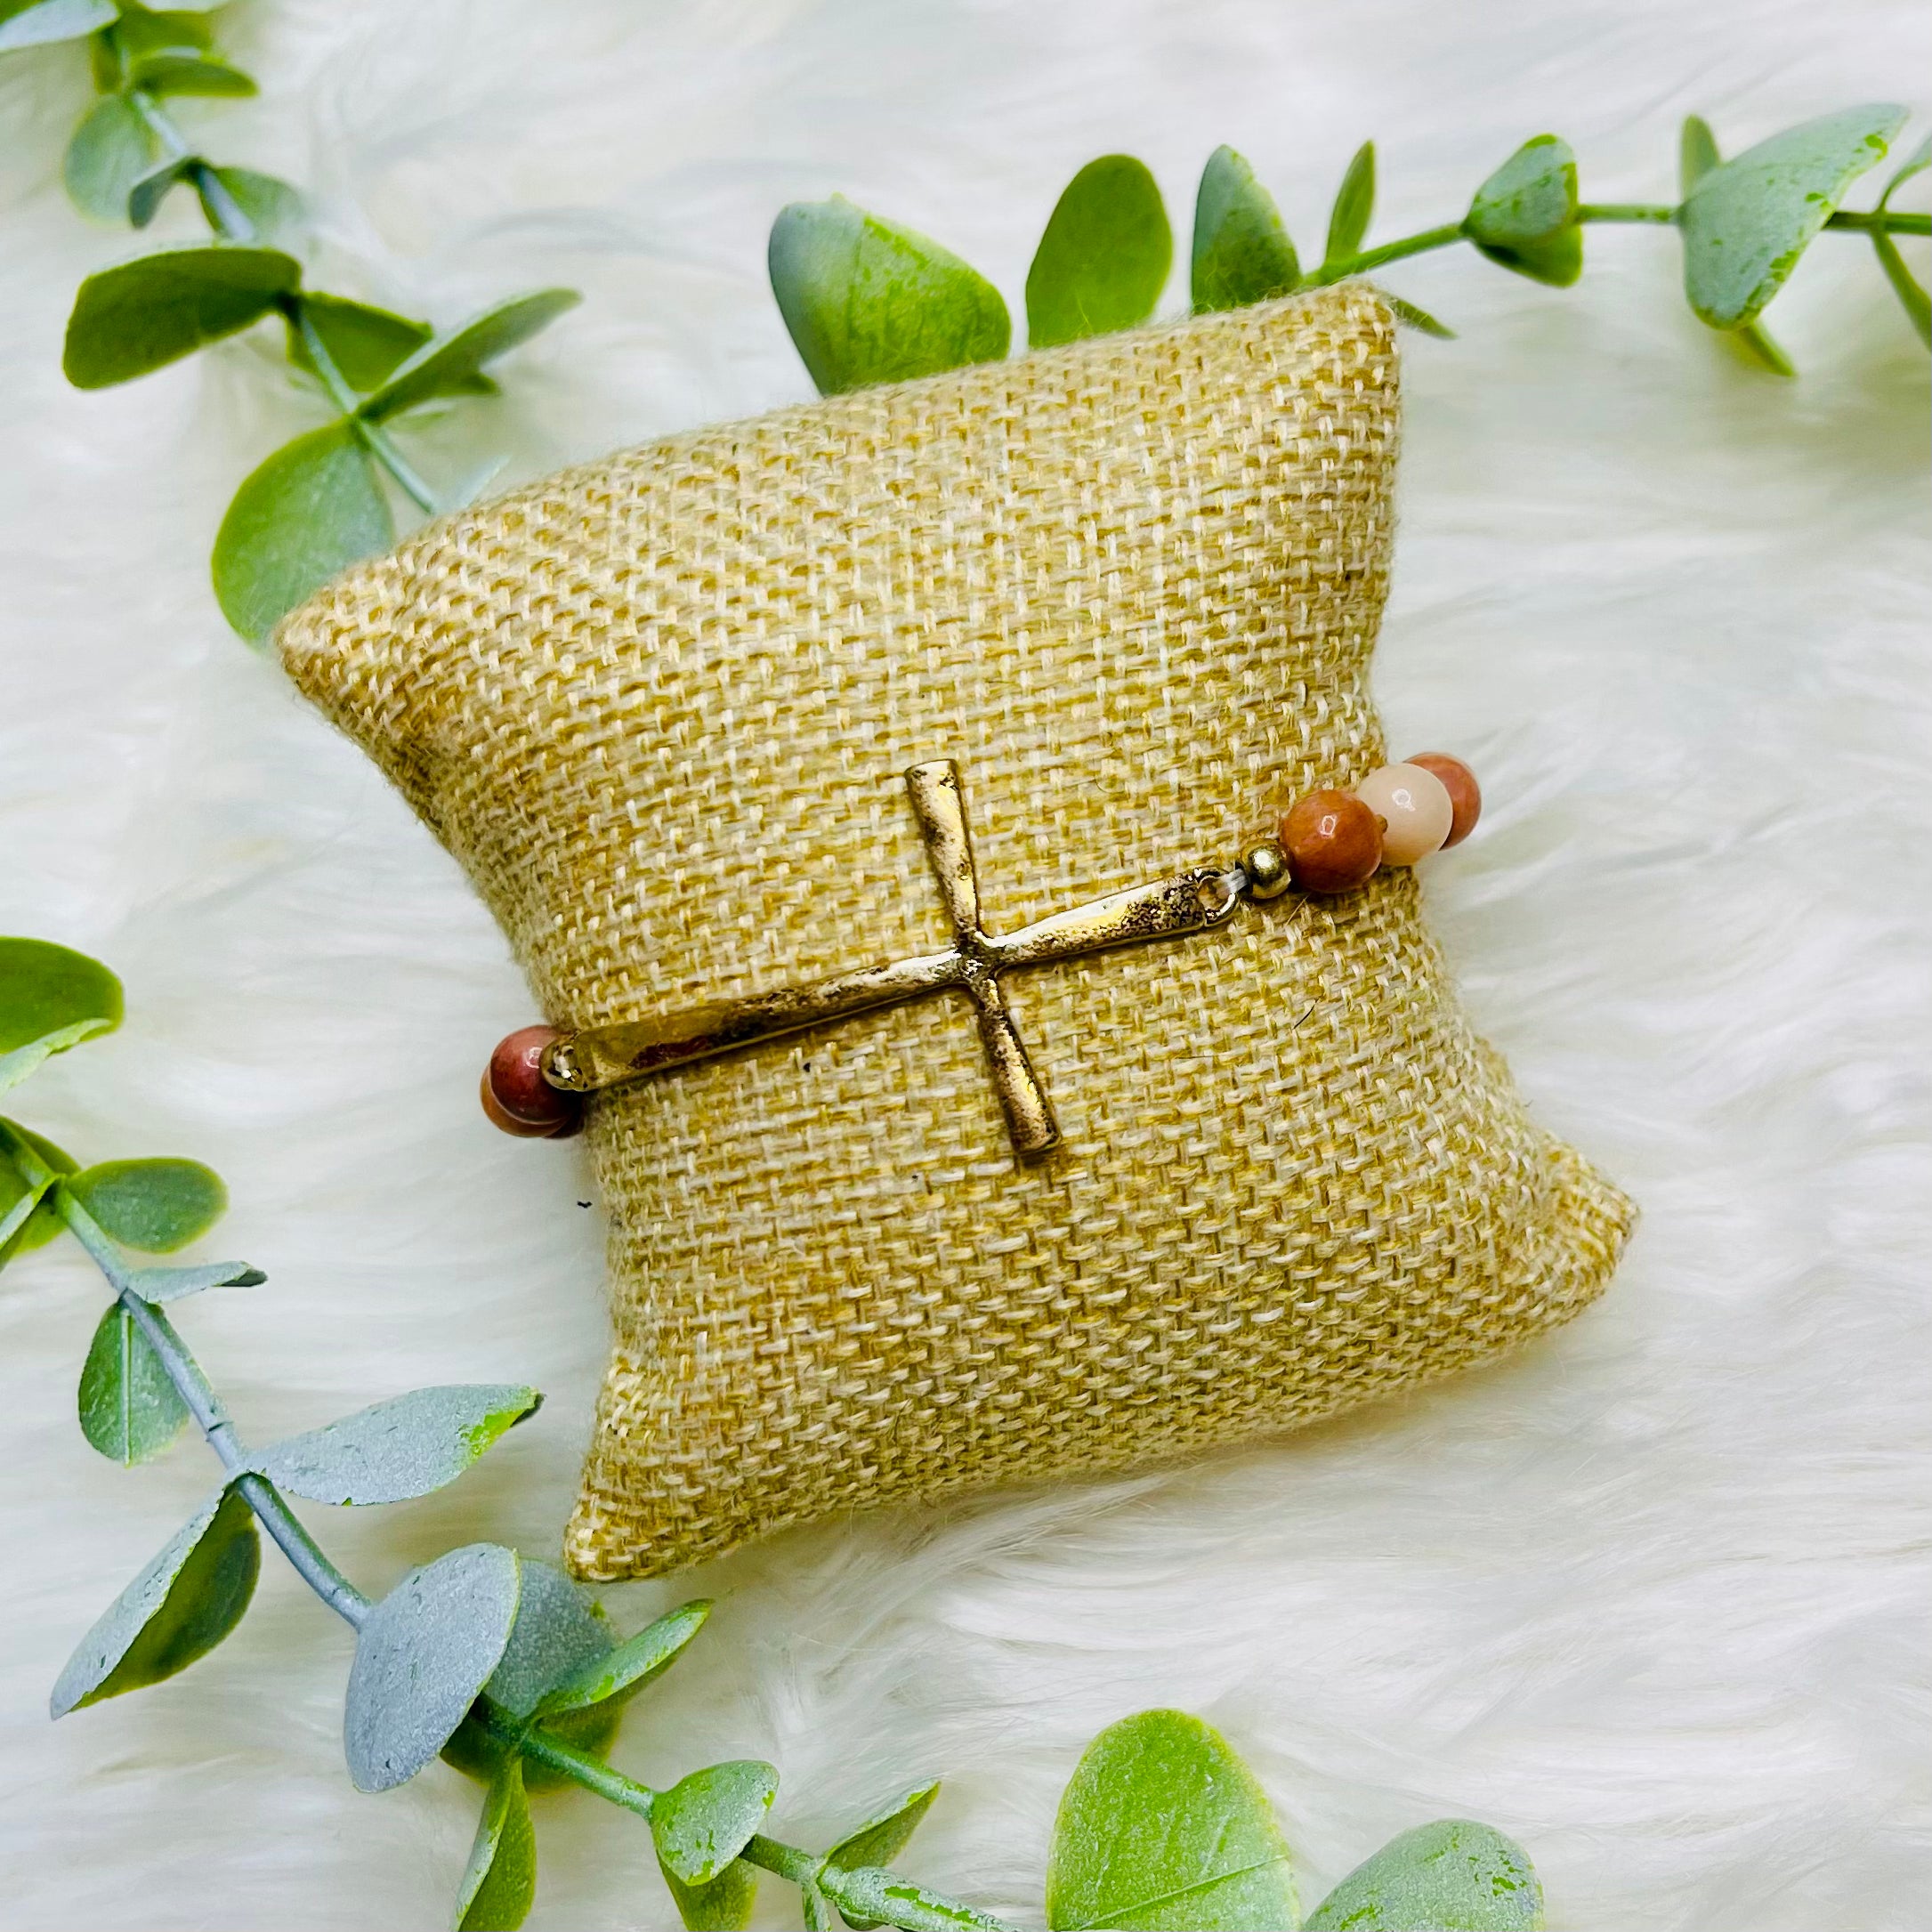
[[1650, 1597]]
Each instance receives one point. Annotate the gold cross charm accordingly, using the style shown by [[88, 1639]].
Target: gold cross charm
[[1189, 902]]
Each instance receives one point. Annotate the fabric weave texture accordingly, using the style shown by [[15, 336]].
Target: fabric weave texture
[[659, 707]]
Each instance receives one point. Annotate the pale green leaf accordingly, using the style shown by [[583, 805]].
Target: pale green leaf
[[129, 1409], [724, 1905], [270, 206], [399, 1449], [178, 1609], [703, 1822], [186, 74], [1523, 216], [299, 519], [1746, 222], [145, 198], [883, 1836], [1164, 1827], [1418, 318], [146, 313], [29, 1226], [559, 1627], [1241, 253], [139, 32], [1911, 292], [1104, 256], [1697, 155], [867, 301], [156, 1206], [1451, 1876], [52, 997], [160, 1285], [624, 1671], [37, 24], [1354, 205], [501, 1878], [867, 1896], [369, 344], [110, 150], [446, 360], [421, 1656]]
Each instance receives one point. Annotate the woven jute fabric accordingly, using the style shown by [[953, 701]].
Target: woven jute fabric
[[660, 708]]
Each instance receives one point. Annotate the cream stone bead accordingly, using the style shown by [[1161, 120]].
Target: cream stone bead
[[1415, 808]]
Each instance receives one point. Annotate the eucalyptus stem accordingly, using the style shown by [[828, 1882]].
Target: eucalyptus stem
[[231, 224], [1874, 220], [305, 1555]]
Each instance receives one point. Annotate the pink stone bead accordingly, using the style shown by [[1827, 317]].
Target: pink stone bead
[[518, 1099], [1415, 808], [1464, 795]]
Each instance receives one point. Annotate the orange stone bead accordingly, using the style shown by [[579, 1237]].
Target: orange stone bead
[[1464, 795], [1333, 842], [518, 1099]]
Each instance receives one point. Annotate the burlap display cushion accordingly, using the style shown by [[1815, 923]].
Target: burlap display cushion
[[660, 707]]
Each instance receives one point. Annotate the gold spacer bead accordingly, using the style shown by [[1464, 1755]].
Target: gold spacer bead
[[1266, 866]]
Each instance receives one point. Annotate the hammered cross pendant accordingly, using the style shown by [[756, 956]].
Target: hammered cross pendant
[[1189, 902]]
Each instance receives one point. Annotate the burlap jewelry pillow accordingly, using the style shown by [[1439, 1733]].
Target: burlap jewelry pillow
[[659, 708]]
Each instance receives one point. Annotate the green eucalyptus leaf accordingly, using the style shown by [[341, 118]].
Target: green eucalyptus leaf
[[1697, 155], [501, 1878], [870, 1896], [1241, 253], [622, 1672], [1355, 207], [156, 1206], [559, 1627], [161, 1285], [369, 344], [52, 997], [29, 1226], [40, 22], [1523, 216], [1104, 256], [883, 1836], [129, 1409], [1418, 318], [270, 206], [110, 150], [703, 1822], [421, 1656], [145, 198], [446, 360], [1163, 1826], [1910, 292], [140, 33], [724, 1905], [1746, 222], [303, 516], [1451, 1876], [867, 301], [178, 1609], [147, 313], [167, 73], [400, 1449]]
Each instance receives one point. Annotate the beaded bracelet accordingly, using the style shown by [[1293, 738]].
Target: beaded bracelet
[[1330, 842]]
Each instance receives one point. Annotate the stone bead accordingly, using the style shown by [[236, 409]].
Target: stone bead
[[1464, 795], [1266, 866], [1414, 807], [518, 1099], [1332, 841]]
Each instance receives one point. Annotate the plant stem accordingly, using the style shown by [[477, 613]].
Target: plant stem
[[231, 224], [376, 440], [1451, 232], [272, 1509]]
